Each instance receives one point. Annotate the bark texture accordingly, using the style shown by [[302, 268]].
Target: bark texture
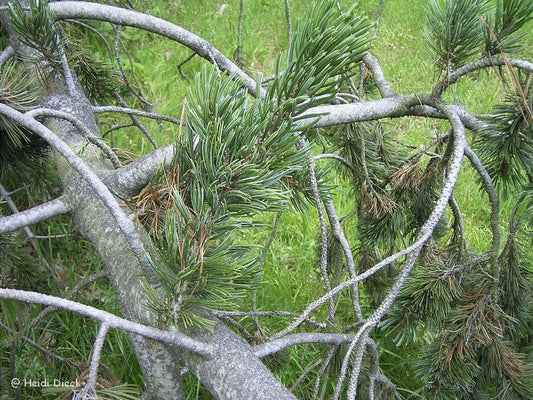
[[234, 372]]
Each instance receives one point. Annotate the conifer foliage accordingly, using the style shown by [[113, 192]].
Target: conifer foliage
[[172, 227]]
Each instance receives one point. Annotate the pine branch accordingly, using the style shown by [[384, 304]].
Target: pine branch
[[6, 54], [277, 345], [484, 62], [33, 215], [120, 16], [129, 180], [369, 110], [173, 338]]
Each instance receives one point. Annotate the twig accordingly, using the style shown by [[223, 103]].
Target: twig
[[323, 229], [118, 59], [29, 235], [495, 212], [181, 64], [288, 19], [90, 386], [323, 370], [239, 33], [458, 231], [278, 313], [351, 393], [277, 345], [93, 30], [41, 349], [338, 234], [136, 121], [84, 130], [260, 266], [69, 295], [304, 374], [336, 157], [140, 113], [356, 343]]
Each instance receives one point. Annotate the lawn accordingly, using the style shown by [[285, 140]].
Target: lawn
[[291, 277]]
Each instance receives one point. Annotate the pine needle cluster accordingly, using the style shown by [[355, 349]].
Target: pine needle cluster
[[237, 157]]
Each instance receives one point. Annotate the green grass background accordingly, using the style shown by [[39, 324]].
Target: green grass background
[[290, 280]]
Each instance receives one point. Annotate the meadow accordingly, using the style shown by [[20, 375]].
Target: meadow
[[291, 277]]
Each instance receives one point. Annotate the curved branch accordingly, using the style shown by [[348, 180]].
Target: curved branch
[[33, 215], [84, 130], [121, 16], [140, 113], [379, 77], [336, 157], [112, 321], [412, 251], [389, 107], [484, 62], [275, 346]]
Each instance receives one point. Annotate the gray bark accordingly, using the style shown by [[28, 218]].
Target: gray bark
[[234, 358], [239, 374], [94, 220], [234, 372]]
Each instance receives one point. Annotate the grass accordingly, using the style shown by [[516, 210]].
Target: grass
[[291, 279]]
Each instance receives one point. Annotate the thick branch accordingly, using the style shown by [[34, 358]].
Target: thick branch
[[33, 215], [234, 372], [338, 114], [131, 179]]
